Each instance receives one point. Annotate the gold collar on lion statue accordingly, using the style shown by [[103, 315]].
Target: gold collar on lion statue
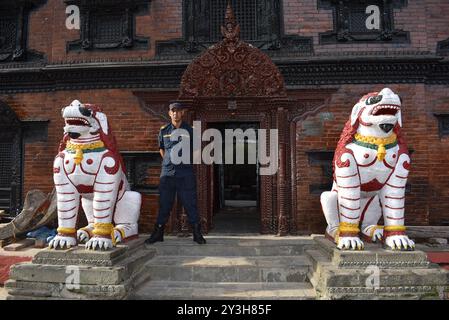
[[80, 148]]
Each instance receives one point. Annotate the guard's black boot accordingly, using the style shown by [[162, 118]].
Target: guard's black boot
[[157, 235], [197, 236]]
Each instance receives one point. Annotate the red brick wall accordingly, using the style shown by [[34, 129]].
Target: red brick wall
[[49, 34], [425, 20], [437, 100]]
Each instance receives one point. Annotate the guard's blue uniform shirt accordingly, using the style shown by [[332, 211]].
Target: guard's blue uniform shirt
[[165, 143], [176, 178]]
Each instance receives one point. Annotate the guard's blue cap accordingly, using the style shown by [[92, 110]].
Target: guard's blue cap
[[175, 105]]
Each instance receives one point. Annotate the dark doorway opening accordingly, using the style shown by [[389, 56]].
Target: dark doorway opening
[[236, 185]]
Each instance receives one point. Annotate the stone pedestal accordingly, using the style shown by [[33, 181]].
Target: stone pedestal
[[77, 273], [374, 273]]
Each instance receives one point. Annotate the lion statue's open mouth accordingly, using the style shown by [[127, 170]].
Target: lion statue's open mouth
[[77, 122]]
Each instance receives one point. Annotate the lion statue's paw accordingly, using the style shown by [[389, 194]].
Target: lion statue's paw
[[400, 242], [118, 236], [99, 243], [84, 234], [61, 242], [374, 233], [350, 243], [377, 235]]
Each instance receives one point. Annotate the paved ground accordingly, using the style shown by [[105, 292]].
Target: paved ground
[[237, 220], [8, 258], [2, 293]]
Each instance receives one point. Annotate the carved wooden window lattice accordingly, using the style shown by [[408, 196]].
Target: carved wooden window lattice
[[6, 161], [137, 165], [11, 161], [14, 135], [246, 13], [258, 20], [443, 47], [443, 124], [324, 160], [260, 24], [350, 17], [14, 31], [109, 24], [8, 33]]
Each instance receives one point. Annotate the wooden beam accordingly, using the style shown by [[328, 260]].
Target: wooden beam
[[39, 209], [428, 231], [22, 244]]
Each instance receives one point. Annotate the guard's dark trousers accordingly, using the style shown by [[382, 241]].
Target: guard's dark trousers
[[185, 187]]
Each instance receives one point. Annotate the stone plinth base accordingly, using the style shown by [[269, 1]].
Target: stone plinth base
[[374, 273], [77, 273]]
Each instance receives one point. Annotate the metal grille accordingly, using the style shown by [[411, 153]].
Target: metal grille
[[8, 32], [108, 28], [6, 162], [245, 13], [358, 16], [444, 124]]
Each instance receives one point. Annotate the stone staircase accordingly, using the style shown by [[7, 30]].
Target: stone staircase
[[229, 267]]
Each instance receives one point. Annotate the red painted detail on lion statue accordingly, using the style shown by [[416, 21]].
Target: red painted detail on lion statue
[[371, 166], [89, 172]]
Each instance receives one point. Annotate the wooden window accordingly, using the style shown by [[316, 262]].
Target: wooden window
[[108, 24], [260, 24], [13, 29], [350, 21], [443, 124]]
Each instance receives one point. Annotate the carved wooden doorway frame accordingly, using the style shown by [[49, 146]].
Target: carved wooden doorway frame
[[249, 109]]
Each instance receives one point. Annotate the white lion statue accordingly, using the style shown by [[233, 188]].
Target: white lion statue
[[371, 165], [89, 171]]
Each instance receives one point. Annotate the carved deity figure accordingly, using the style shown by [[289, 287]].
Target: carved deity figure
[[371, 165], [89, 172]]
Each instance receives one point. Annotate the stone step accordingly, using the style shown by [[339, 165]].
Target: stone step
[[128, 268], [234, 247], [242, 239], [180, 290], [372, 255], [36, 290], [229, 269], [318, 261], [78, 255], [61, 274], [80, 274], [331, 281], [387, 277], [317, 258]]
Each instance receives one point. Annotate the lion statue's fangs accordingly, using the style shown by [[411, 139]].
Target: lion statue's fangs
[[371, 165], [89, 172]]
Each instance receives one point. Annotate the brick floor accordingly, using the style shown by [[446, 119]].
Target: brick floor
[[5, 264], [442, 258]]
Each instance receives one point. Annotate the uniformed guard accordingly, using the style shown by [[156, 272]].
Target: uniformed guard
[[176, 178]]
